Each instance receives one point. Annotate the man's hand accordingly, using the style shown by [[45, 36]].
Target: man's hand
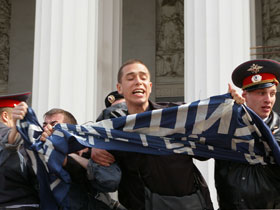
[[102, 157], [236, 96], [19, 111], [48, 130]]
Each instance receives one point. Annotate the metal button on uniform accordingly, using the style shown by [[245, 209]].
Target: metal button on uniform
[[243, 178]]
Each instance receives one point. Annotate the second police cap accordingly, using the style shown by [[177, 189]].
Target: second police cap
[[112, 97], [256, 74], [11, 100]]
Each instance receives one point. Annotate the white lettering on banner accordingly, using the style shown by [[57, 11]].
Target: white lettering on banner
[[58, 133], [187, 150], [256, 159], [144, 140], [202, 124], [91, 140], [55, 183], [47, 149], [250, 143], [170, 145], [130, 123], [247, 120], [182, 115]]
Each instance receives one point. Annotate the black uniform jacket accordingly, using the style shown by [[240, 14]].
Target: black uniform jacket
[[17, 180], [171, 175], [244, 186], [82, 190]]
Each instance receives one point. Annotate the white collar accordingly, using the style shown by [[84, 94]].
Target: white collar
[[265, 119]]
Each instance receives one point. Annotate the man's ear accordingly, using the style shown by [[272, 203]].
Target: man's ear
[[4, 117], [151, 85], [119, 88]]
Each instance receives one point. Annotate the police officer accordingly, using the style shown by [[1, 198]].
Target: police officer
[[17, 180], [244, 186]]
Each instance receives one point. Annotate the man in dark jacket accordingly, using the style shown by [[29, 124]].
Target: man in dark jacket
[[89, 186], [244, 186], [17, 181], [153, 181], [115, 106]]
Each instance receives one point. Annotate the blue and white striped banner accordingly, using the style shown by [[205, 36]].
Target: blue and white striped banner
[[212, 128]]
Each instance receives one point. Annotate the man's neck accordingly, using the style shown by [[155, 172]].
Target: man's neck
[[132, 109], [5, 123]]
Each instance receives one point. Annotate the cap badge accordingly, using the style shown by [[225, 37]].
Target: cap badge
[[256, 78], [255, 68], [111, 99]]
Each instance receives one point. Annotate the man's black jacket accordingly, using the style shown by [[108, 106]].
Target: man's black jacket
[[244, 186], [171, 175]]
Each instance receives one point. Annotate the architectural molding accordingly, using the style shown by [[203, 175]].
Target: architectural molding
[[5, 21]]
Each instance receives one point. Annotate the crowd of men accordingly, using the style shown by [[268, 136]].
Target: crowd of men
[[144, 181]]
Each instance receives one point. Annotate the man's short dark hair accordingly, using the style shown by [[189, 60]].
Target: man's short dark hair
[[128, 62], [69, 118], [6, 109]]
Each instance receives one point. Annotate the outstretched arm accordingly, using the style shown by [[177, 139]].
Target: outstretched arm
[[102, 157], [18, 113], [81, 160]]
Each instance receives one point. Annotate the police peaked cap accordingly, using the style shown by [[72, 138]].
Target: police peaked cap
[[11, 100], [112, 97], [256, 74]]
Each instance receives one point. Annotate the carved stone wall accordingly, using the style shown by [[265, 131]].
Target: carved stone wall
[[5, 18], [271, 29], [268, 34], [170, 49]]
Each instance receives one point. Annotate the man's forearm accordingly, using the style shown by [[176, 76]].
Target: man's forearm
[[81, 160], [13, 135]]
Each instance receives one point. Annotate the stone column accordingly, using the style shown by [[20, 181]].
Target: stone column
[[217, 39], [72, 52], [109, 46]]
